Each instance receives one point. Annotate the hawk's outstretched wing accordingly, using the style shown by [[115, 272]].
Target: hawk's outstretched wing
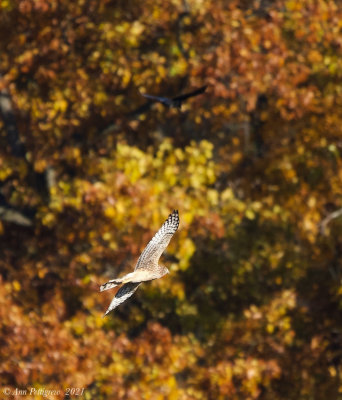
[[122, 295], [150, 256]]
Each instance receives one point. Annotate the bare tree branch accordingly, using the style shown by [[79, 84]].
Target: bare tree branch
[[330, 217], [6, 111], [42, 182], [9, 214], [179, 31]]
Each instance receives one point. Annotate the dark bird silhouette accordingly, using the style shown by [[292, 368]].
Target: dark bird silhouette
[[175, 102]]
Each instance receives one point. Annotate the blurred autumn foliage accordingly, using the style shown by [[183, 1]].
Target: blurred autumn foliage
[[89, 171]]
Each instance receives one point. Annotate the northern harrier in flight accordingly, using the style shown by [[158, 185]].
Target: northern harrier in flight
[[147, 267], [175, 102]]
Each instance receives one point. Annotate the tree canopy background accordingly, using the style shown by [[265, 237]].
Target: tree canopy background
[[89, 171]]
